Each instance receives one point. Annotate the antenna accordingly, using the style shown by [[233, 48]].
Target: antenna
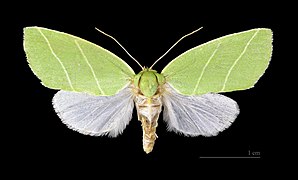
[[175, 45], [120, 46]]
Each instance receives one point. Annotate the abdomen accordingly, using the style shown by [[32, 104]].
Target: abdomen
[[148, 112]]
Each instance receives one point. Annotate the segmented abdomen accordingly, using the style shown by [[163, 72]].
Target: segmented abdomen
[[148, 112]]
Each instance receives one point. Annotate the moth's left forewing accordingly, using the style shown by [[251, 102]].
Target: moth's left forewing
[[229, 63], [205, 115]]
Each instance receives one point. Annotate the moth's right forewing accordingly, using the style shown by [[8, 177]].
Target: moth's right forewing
[[66, 62]]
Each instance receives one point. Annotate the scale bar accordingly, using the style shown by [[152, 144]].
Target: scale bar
[[230, 157]]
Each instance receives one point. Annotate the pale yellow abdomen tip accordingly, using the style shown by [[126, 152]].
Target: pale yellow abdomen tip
[[149, 138]]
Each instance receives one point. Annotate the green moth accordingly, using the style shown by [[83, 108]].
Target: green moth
[[98, 90]]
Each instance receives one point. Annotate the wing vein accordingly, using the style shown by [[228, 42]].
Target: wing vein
[[191, 120], [92, 70], [236, 61], [58, 59], [204, 68]]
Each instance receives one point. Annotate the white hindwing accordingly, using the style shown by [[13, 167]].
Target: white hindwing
[[95, 115], [204, 115]]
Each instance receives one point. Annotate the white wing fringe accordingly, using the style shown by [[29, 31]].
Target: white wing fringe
[[205, 115], [95, 115]]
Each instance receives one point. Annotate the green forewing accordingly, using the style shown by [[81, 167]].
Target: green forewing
[[66, 62], [232, 62]]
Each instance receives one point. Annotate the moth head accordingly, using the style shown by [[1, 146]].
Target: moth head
[[148, 82]]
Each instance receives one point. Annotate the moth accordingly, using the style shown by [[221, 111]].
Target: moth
[[98, 90]]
